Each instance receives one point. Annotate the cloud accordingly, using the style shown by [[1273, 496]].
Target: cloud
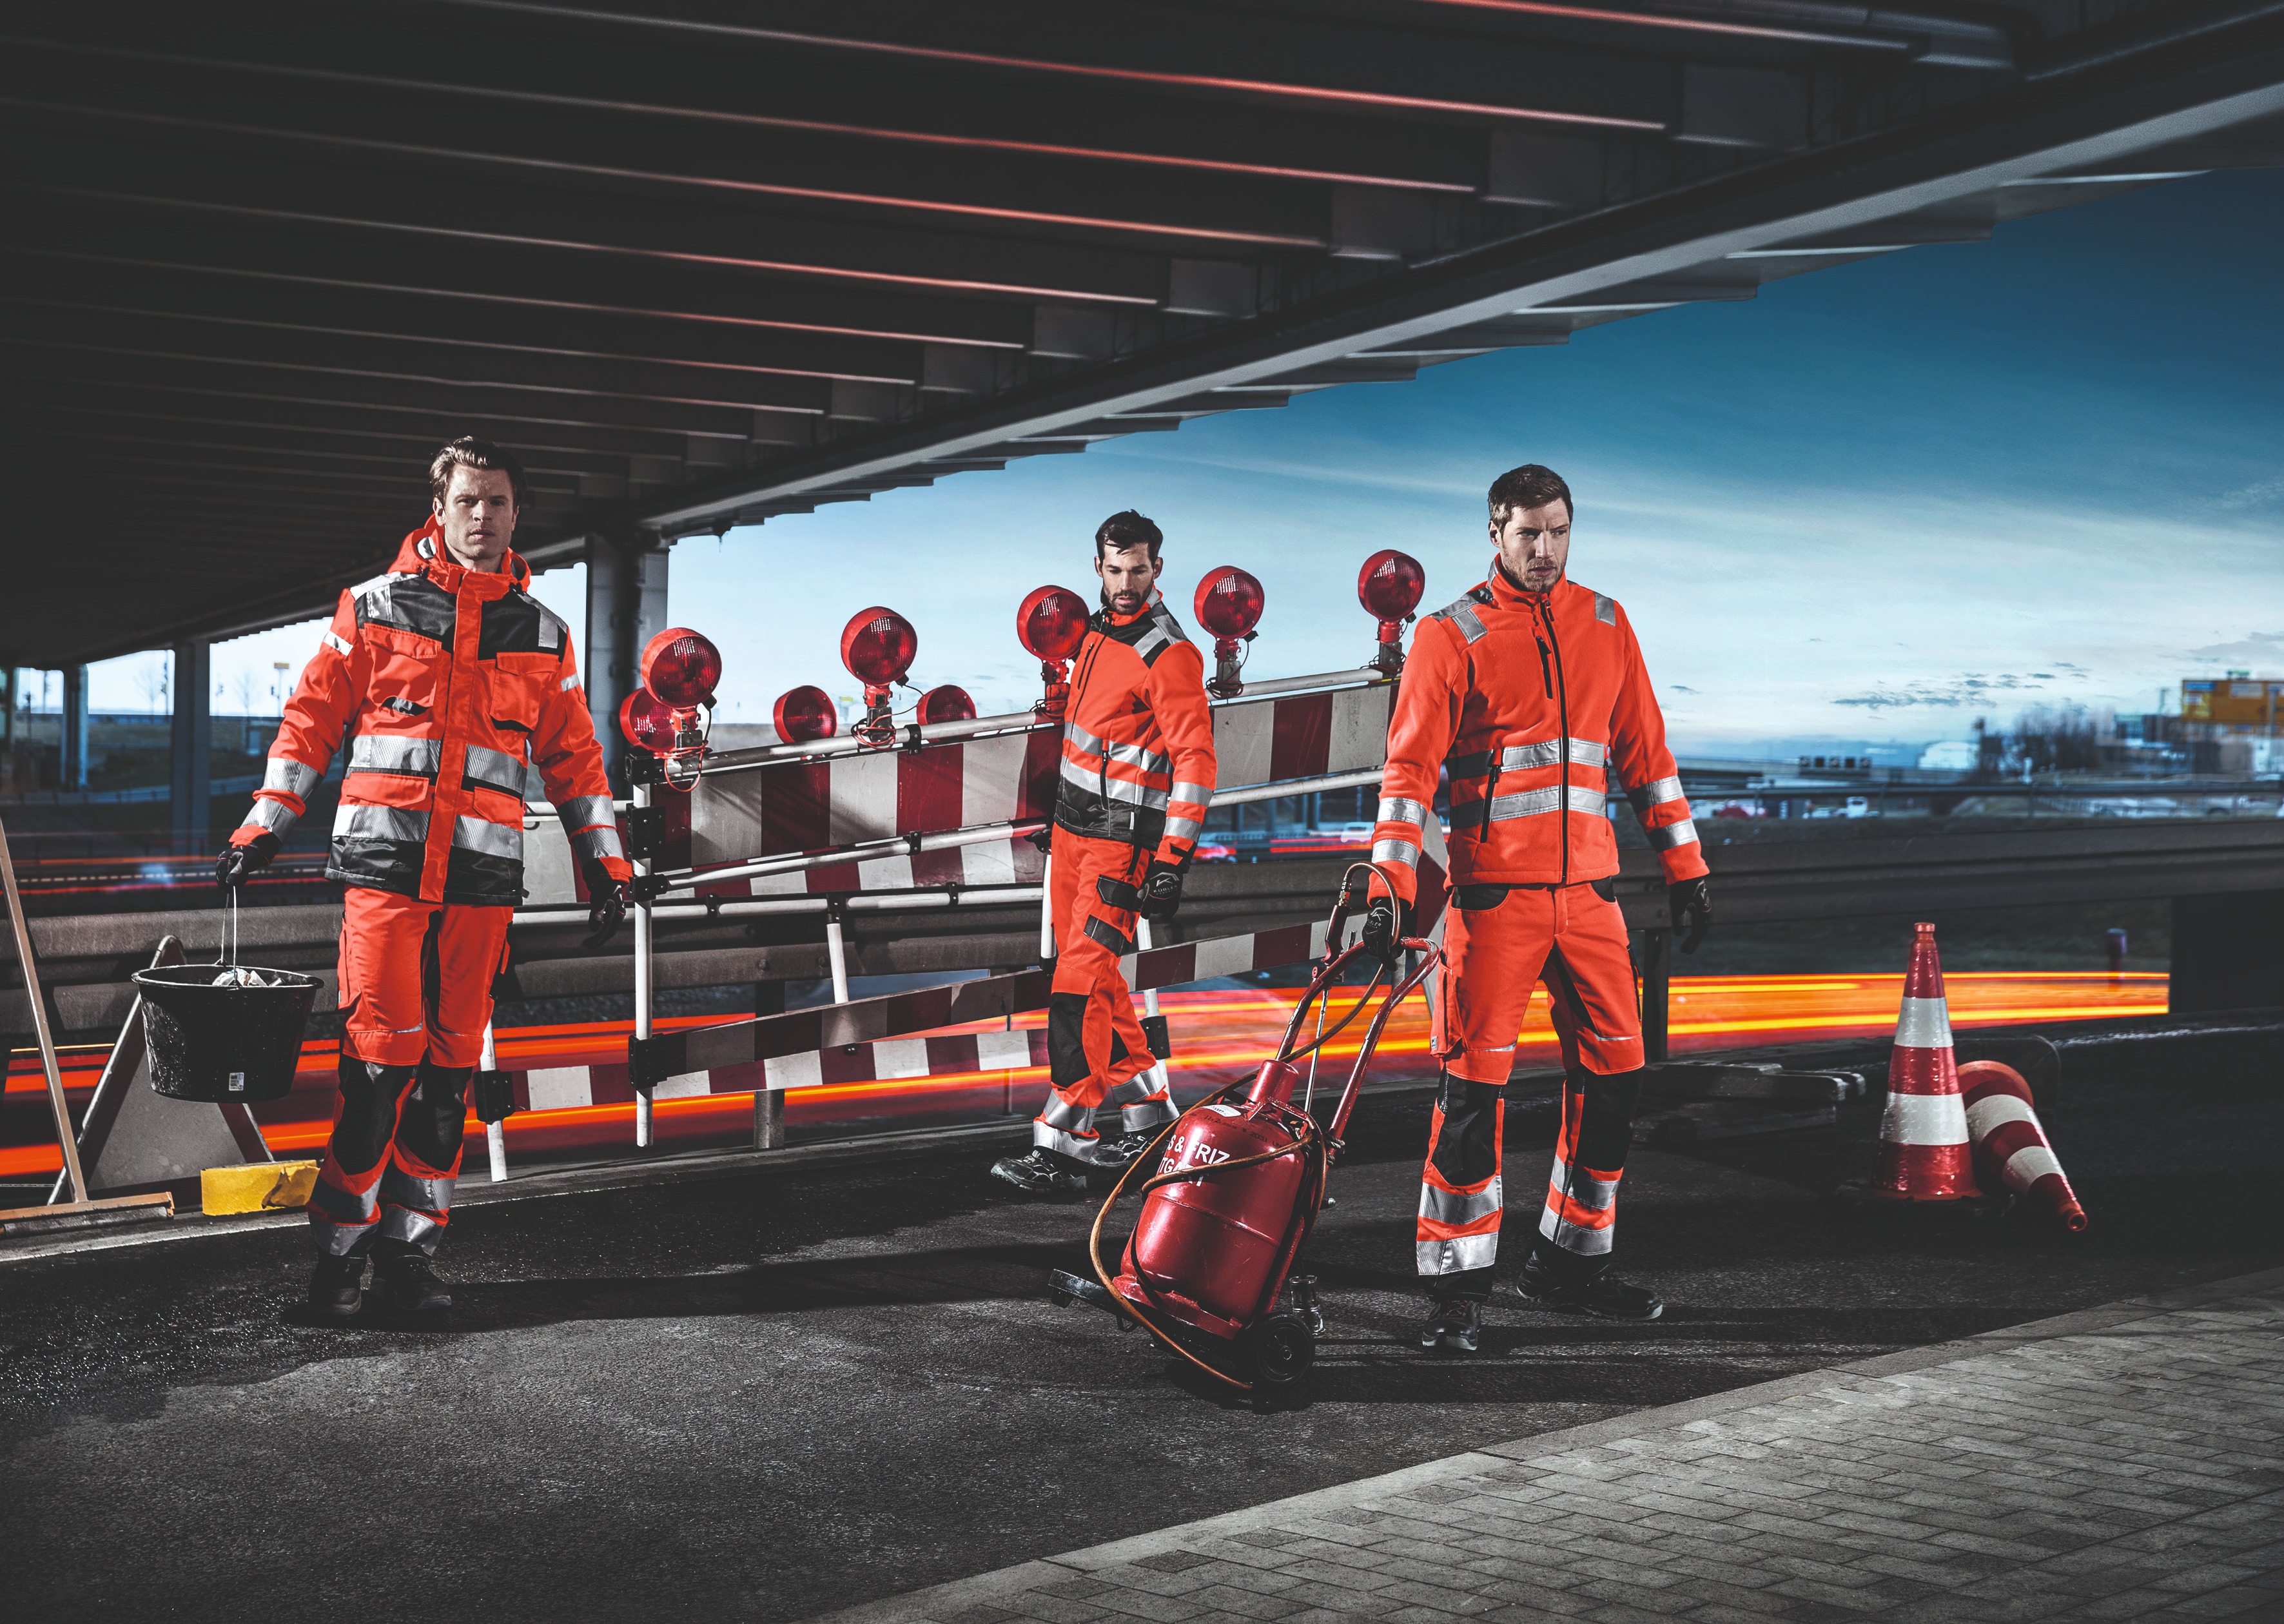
[[1973, 688], [1675, 688], [2258, 649], [2259, 494]]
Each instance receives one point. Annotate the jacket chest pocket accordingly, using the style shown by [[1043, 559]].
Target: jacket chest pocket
[[518, 688], [407, 670]]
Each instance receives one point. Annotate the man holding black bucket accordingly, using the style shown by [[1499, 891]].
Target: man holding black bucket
[[445, 677]]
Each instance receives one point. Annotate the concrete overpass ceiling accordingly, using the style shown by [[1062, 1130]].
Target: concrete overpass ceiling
[[716, 261]]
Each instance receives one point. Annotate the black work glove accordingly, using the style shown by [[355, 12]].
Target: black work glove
[[239, 864], [607, 899], [1386, 924], [1692, 903], [1043, 837], [1160, 890]]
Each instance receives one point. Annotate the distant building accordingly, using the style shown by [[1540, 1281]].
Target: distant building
[[1951, 756]]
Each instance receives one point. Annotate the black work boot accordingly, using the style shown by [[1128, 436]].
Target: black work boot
[[409, 1278], [1113, 1155], [1456, 1324], [1606, 1295], [336, 1287], [1042, 1173]]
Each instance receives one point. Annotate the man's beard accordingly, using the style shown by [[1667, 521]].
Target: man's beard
[[1110, 601]]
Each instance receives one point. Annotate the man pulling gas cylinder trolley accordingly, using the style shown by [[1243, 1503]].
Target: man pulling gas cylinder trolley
[[445, 676], [1529, 690]]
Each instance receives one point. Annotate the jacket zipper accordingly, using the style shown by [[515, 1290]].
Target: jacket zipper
[[1562, 709], [1102, 755]]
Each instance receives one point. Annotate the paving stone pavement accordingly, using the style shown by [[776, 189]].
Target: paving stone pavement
[[2126, 1461]]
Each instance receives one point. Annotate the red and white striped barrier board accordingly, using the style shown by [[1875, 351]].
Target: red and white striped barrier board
[[841, 800]]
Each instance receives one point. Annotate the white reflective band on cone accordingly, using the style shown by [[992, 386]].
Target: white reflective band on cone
[[2028, 1164], [1924, 1119], [1925, 1024], [1995, 1110]]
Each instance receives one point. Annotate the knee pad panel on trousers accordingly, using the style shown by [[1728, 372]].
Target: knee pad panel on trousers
[[1467, 1146], [371, 1093], [1606, 1123], [434, 1119], [1066, 1063]]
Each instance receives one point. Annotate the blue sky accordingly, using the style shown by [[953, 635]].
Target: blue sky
[[1873, 504]]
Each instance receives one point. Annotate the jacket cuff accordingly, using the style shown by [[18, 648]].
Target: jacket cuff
[[1683, 862]]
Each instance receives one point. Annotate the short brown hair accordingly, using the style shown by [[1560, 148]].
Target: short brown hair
[[1529, 486], [1127, 530], [467, 451]]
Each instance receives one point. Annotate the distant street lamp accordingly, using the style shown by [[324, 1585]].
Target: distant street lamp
[[278, 687]]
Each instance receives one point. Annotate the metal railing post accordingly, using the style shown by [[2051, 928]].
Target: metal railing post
[[1658, 986], [494, 1133], [643, 975]]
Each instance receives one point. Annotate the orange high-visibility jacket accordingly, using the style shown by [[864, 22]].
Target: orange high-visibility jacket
[[1529, 698], [444, 683], [1138, 736]]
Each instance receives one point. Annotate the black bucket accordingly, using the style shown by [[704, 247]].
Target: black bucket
[[223, 1044]]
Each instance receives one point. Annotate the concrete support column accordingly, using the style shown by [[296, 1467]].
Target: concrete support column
[[193, 742], [74, 758], [2228, 952], [626, 607]]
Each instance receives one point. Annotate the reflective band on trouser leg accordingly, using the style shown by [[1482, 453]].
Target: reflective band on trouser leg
[[1064, 1124], [1577, 1228], [1141, 1102], [1094, 1039], [344, 1204], [1460, 1193], [424, 1160]]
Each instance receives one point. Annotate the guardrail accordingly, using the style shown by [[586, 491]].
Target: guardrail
[[86, 958]]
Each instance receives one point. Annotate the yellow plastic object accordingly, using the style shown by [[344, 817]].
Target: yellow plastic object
[[259, 1187]]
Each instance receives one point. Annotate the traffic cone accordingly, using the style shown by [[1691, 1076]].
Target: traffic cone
[[2010, 1146], [1924, 1151]]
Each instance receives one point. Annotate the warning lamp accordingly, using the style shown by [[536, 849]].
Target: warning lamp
[[1389, 586], [878, 646], [645, 724], [1051, 625], [680, 670], [805, 713], [1229, 604], [946, 704]]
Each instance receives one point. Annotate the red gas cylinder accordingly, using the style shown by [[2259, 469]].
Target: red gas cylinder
[[1211, 1250]]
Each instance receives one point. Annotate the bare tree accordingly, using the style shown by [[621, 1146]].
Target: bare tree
[[155, 677]]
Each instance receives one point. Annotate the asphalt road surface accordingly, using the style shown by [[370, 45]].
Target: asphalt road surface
[[777, 1394]]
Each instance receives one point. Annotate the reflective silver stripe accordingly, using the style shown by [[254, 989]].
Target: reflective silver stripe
[[1196, 794], [330, 1202], [1396, 851], [598, 844], [495, 769], [398, 1188], [2028, 1165], [1085, 740], [1452, 1206], [1523, 804], [1588, 803], [1151, 641], [1114, 788], [1995, 1110], [586, 811], [1396, 809], [1588, 753], [1149, 1114], [1655, 794], [1572, 1237], [389, 753], [1076, 1145], [1135, 755], [569, 683], [337, 644], [275, 816], [295, 777], [1681, 834], [413, 1228], [1463, 616], [1184, 828], [1923, 1024], [1060, 1113], [1140, 1087], [1924, 1119], [1458, 1255], [492, 839], [1545, 753], [1605, 610], [395, 823], [1595, 1194]]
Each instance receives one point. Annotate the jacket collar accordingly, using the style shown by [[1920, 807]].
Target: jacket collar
[[422, 553], [1507, 595], [1111, 620]]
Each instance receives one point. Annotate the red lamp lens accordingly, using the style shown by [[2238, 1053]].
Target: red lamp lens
[[1052, 623], [646, 724], [805, 713], [1229, 601], [1389, 585], [947, 704], [878, 646], [681, 668]]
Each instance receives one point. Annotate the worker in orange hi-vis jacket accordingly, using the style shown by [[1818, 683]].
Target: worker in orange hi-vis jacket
[[1530, 690], [1137, 775], [444, 677]]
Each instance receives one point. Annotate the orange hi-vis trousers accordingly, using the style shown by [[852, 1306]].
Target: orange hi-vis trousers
[[1098, 1054], [1499, 944]]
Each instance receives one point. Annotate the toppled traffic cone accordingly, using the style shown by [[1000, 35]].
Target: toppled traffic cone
[[1924, 1152], [2010, 1146]]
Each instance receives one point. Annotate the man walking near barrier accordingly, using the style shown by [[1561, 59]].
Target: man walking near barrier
[[446, 677], [1529, 690], [1137, 774]]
